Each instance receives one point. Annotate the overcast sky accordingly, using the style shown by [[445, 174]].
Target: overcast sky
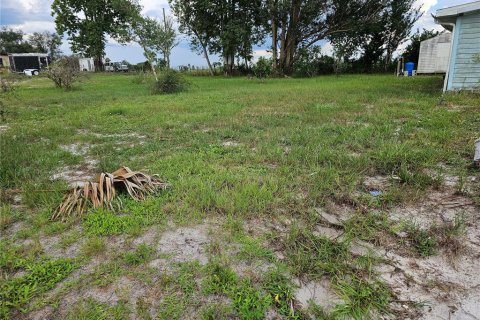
[[34, 15]]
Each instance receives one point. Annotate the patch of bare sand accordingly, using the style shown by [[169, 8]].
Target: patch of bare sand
[[319, 292], [438, 207], [450, 287], [185, 244], [77, 175]]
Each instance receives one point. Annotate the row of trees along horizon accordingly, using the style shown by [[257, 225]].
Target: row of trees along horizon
[[364, 34]]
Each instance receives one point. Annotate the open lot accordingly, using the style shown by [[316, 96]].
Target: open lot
[[327, 198]]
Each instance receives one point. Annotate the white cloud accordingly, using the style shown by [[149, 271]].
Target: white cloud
[[261, 53], [34, 15], [29, 27]]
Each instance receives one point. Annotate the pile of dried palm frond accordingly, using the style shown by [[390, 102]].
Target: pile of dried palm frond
[[102, 192]]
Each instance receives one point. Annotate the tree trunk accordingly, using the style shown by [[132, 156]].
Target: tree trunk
[[205, 53], [150, 61], [274, 36], [97, 62], [166, 56], [228, 61]]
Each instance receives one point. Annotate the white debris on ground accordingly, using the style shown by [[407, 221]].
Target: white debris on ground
[[4, 127]]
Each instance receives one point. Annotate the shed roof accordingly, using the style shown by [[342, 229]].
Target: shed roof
[[449, 15], [28, 54]]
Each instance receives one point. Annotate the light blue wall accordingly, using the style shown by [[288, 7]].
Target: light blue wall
[[464, 72]]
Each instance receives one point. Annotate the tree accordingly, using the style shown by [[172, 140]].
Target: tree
[[88, 22], [46, 42], [194, 20], [11, 41], [154, 37], [298, 24], [229, 28], [400, 19], [376, 42], [167, 40], [146, 32], [412, 51]]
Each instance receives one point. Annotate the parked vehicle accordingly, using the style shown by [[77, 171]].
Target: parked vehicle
[[31, 72], [115, 67], [34, 62]]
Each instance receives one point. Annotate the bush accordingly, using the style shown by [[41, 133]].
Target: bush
[[64, 72], [170, 81], [311, 62], [263, 68]]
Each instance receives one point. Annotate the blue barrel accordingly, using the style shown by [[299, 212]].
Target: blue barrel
[[409, 67]]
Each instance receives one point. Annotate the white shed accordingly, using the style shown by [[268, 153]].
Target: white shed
[[87, 64], [435, 54]]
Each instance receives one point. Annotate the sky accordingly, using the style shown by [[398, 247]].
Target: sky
[[34, 16]]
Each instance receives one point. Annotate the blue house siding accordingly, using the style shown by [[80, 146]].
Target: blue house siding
[[464, 72]]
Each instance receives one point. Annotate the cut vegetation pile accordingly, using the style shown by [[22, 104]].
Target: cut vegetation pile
[[102, 193]]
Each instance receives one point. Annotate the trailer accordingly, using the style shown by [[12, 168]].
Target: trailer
[[87, 64], [33, 62]]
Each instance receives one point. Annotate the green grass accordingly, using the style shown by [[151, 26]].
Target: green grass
[[39, 277], [245, 152], [90, 309], [141, 254]]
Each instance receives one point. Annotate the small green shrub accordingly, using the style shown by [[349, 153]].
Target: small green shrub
[[424, 241], [64, 72], [93, 246], [170, 81], [140, 255], [263, 68]]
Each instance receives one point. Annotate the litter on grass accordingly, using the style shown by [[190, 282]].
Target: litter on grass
[[103, 191]]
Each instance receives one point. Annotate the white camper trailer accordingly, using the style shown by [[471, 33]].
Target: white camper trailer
[[87, 64], [435, 54]]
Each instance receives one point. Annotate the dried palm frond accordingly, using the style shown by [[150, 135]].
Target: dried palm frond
[[103, 191]]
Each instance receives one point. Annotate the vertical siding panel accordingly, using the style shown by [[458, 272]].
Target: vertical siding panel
[[464, 72]]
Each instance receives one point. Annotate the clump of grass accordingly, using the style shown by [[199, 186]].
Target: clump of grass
[[366, 226], [282, 294], [352, 276], [141, 254], [39, 278], [361, 297], [217, 311], [92, 309], [219, 279], [424, 241], [179, 291], [7, 216], [102, 222], [248, 301], [315, 255], [170, 81], [450, 235], [93, 246], [12, 257]]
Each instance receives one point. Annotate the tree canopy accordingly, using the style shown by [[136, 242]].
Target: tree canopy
[[87, 23]]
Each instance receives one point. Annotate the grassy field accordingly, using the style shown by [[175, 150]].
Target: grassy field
[[277, 186]]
